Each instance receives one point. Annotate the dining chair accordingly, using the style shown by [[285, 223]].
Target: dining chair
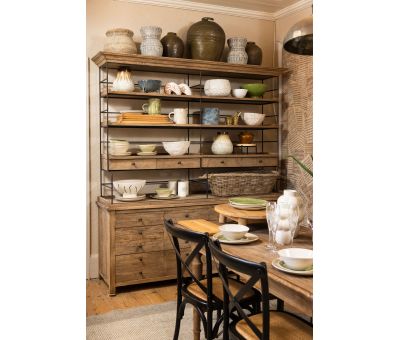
[[266, 325], [205, 294]]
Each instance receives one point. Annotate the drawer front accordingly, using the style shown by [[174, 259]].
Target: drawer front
[[168, 244], [170, 260], [138, 219], [259, 161], [188, 213], [177, 163], [217, 162], [130, 164], [139, 239]]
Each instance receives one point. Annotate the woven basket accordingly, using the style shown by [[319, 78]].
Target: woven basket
[[242, 183]]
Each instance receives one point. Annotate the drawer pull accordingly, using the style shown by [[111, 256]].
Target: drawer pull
[[222, 162], [133, 163], [140, 247], [140, 273], [140, 233], [140, 219], [180, 163], [260, 161], [140, 259], [186, 215]]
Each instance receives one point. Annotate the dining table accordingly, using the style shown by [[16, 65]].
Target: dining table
[[295, 290]]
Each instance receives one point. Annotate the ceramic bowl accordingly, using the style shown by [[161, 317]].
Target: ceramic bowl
[[147, 147], [296, 258], [176, 148], [129, 187], [217, 87], [252, 118], [163, 192], [239, 93], [256, 90], [233, 231], [150, 85]]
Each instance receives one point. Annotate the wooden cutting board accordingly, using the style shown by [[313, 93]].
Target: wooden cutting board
[[200, 225]]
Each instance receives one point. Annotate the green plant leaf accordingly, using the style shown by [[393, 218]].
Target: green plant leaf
[[302, 165]]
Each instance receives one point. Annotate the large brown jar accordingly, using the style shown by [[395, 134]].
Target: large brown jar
[[172, 46], [254, 53], [206, 40]]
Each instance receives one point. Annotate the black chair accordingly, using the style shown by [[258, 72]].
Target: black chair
[[267, 325], [205, 294]]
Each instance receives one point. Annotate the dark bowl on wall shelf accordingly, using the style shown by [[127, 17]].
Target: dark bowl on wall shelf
[[150, 85]]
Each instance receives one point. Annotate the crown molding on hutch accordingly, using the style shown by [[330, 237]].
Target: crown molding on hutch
[[233, 11]]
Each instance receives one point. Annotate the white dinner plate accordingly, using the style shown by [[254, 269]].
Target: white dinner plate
[[170, 197], [152, 153], [130, 199], [248, 238], [121, 153], [279, 264], [247, 207]]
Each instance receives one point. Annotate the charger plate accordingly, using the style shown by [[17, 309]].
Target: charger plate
[[248, 238], [280, 265]]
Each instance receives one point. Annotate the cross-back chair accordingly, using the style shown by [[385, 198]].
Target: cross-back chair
[[267, 325]]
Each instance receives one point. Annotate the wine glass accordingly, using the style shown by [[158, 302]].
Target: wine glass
[[271, 217]]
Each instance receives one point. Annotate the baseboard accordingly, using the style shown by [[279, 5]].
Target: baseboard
[[94, 266]]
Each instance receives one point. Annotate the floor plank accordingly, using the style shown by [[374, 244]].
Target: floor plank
[[98, 301]]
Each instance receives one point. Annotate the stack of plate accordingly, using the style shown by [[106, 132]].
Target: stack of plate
[[247, 203], [118, 147]]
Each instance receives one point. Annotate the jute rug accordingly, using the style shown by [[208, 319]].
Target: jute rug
[[156, 322]]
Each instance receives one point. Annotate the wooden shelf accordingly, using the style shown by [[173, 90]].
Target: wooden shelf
[[185, 66], [194, 126], [163, 156], [184, 98]]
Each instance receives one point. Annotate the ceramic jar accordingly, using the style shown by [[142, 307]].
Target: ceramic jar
[[246, 137], [222, 145], [217, 87], [119, 40], [172, 46], [210, 116], [123, 81], [237, 53], [254, 53], [206, 40], [151, 44], [293, 199]]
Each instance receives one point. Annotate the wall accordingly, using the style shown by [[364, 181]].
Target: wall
[[106, 14], [297, 115]]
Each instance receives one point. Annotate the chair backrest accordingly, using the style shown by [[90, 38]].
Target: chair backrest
[[199, 240], [255, 271]]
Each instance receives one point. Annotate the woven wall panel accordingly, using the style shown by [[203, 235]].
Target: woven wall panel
[[297, 120]]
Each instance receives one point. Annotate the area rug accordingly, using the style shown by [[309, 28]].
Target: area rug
[[155, 322]]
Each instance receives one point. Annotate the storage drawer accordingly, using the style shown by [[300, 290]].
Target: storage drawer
[[139, 239], [168, 245], [188, 214], [138, 219], [177, 163], [170, 260], [129, 164], [259, 161], [217, 162]]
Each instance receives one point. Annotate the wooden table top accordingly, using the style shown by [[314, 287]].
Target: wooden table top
[[227, 210]]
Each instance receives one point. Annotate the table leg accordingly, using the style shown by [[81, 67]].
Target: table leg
[[221, 218], [242, 221], [197, 268]]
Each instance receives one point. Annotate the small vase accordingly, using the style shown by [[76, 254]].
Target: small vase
[[237, 53], [172, 46], [254, 53], [151, 44], [120, 40], [123, 81], [246, 137], [293, 199], [222, 145]]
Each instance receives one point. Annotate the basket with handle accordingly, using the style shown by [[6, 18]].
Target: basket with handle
[[242, 183]]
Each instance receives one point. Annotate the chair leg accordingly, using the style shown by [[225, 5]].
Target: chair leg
[[280, 305], [209, 331], [180, 311]]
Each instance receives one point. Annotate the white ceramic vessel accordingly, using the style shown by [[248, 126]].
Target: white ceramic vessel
[[176, 148], [222, 145], [233, 231], [147, 147], [151, 44], [239, 93], [119, 40], [129, 188], [253, 118], [183, 188], [237, 53], [217, 87], [296, 258], [123, 82], [293, 199]]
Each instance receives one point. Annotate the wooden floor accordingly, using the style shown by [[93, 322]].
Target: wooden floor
[[98, 301]]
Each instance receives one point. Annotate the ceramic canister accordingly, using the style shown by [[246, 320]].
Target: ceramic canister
[[151, 44], [237, 53], [172, 45], [210, 116], [222, 145], [183, 188], [254, 53]]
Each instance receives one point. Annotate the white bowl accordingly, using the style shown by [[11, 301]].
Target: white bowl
[[252, 118], [217, 87], [296, 258], [147, 147], [176, 148], [233, 231], [163, 192], [129, 187], [239, 93]]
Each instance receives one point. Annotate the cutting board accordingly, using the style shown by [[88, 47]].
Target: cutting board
[[200, 225]]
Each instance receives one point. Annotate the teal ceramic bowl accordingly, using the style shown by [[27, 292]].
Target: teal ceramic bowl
[[255, 90]]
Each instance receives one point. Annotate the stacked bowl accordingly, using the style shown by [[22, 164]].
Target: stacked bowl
[[118, 147]]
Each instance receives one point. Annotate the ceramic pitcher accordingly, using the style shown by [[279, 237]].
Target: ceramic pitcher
[[153, 107]]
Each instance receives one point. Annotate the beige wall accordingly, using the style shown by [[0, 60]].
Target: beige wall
[[105, 14]]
